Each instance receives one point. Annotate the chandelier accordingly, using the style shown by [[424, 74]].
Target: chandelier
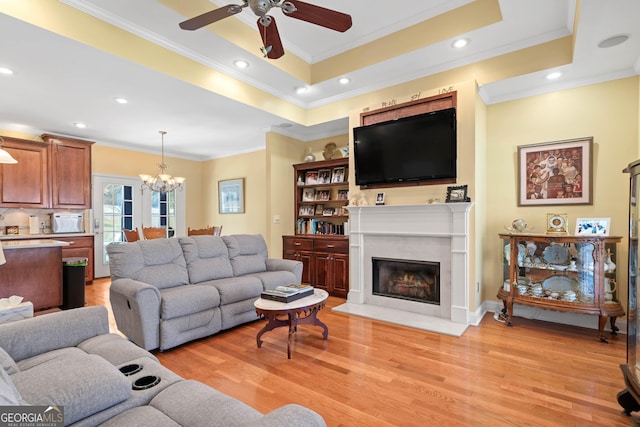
[[163, 182]]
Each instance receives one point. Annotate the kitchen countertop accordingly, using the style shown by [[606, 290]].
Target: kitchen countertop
[[42, 236], [33, 243]]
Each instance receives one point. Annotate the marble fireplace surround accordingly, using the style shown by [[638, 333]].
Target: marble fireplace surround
[[429, 232]]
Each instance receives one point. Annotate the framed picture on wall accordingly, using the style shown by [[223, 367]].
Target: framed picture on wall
[[231, 196], [556, 173]]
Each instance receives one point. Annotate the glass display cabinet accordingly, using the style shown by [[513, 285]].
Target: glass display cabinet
[[630, 397], [562, 273]]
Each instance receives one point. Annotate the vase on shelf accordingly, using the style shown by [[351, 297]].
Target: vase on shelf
[[609, 264], [309, 157]]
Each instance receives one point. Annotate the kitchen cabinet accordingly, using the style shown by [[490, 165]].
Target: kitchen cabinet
[[33, 271], [80, 247], [54, 173], [70, 172], [26, 183], [562, 273]]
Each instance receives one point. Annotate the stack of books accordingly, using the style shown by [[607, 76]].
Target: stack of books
[[288, 293]]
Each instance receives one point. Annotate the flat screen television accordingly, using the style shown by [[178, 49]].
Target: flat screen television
[[416, 148]]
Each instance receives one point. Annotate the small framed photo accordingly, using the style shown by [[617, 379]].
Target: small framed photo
[[324, 176], [593, 226], [380, 199], [343, 194], [328, 212], [456, 194], [311, 178], [308, 194], [322, 195], [319, 209], [231, 196], [337, 175]]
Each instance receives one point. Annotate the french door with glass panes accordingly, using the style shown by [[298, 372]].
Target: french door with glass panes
[[120, 203]]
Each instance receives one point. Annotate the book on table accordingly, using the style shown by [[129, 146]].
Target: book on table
[[288, 293]]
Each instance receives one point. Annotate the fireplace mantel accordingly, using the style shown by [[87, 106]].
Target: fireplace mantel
[[419, 232]]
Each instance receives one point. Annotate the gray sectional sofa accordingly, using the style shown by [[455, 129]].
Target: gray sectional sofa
[[165, 292], [70, 360]]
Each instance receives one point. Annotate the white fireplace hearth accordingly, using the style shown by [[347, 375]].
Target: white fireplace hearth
[[430, 232]]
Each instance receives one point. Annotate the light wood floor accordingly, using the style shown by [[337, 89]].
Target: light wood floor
[[371, 373]]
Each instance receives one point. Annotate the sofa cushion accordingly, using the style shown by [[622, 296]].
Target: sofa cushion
[[207, 258], [191, 403], [247, 253], [44, 358], [185, 300], [158, 262], [7, 362], [83, 385], [272, 279], [114, 349], [236, 289], [9, 395], [141, 416]]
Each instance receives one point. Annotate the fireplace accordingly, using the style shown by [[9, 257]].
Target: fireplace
[[407, 279], [427, 233]]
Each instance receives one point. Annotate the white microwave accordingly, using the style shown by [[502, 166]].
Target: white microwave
[[67, 223]]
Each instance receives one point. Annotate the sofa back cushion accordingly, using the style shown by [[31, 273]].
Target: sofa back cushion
[[158, 262], [247, 252], [207, 258]]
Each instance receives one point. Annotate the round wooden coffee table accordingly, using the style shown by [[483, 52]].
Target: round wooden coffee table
[[300, 312]]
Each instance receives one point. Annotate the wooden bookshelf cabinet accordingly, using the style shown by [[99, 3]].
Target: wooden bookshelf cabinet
[[321, 195], [562, 273]]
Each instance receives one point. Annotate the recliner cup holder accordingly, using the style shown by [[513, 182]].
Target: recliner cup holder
[[145, 383], [134, 368]]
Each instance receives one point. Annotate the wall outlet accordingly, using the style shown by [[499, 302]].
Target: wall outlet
[[276, 219]]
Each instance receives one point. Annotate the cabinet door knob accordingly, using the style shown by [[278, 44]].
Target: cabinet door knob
[[331, 246], [297, 243]]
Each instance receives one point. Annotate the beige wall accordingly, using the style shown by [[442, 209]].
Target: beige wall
[[251, 167], [609, 113], [115, 161]]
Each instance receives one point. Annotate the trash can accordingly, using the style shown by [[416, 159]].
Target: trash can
[[73, 281]]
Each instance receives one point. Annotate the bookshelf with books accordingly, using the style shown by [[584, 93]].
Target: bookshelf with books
[[321, 195]]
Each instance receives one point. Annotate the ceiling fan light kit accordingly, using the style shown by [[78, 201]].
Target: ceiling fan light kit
[[272, 45]]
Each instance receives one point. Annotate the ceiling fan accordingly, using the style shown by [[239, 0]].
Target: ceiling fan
[[267, 24]]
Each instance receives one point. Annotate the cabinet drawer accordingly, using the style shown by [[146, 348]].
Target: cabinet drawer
[[340, 246], [77, 242], [298, 244]]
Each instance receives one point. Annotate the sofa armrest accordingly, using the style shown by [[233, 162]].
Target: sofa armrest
[[274, 264], [40, 334], [291, 415], [136, 308]]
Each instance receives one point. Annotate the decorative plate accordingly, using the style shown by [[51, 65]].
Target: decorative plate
[[560, 283], [556, 254]]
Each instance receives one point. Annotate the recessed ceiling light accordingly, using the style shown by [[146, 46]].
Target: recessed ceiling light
[[121, 100], [302, 90], [80, 125], [613, 41], [6, 71], [460, 43], [554, 75], [344, 80], [241, 63]]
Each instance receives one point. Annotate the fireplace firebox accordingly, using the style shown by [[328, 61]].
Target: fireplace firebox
[[407, 279]]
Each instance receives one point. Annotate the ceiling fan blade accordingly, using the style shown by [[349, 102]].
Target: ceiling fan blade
[[270, 38], [211, 17], [320, 16]]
